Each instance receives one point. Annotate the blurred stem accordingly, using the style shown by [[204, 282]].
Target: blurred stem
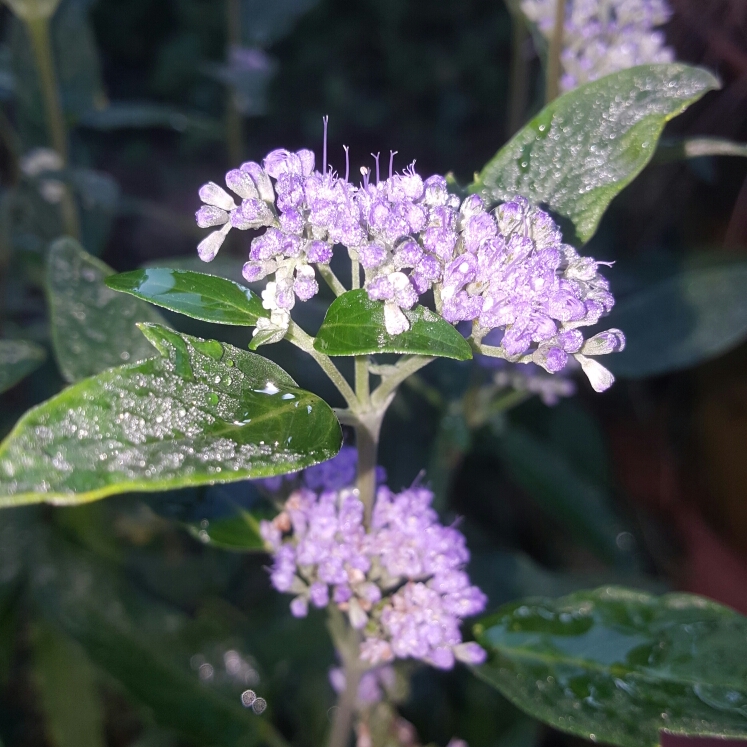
[[552, 87], [41, 43], [347, 644], [519, 73], [355, 270], [234, 120]]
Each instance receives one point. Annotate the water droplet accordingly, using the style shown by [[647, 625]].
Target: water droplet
[[212, 398]]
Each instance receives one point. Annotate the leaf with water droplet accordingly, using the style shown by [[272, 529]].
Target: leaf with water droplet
[[93, 328], [18, 358], [354, 325], [681, 321], [595, 140], [157, 425], [621, 664], [195, 294]]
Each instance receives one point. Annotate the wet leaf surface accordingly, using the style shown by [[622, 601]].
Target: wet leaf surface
[[18, 358], [354, 325], [616, 665], [201, 296], [202, 413], [93, 328], [583, 148]]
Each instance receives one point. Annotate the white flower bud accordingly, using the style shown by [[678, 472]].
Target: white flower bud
[[395, 320], [212, 194], [209, 246], [599, 377]]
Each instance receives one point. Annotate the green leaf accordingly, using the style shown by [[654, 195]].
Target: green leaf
[[587, 145], [617, 666], [682, 321], [201, 296], [69, 697], [239, 532], [580, 504], [93, 328], [354, 325], [204, 413], [18, 358]]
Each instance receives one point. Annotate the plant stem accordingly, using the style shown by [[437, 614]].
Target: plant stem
[[552, 87], [331, 280], [367, 431], [234, 123], [518, 75], [400, 372], [347, 644], [41, 43], [300, 339], [355, 271]]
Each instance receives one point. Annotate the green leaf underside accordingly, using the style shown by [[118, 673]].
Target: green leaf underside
[[93, 328], [18, 358], [621, 665], [587, 145], [239, 532], [204, 413], [195, 294], [354, 325], [682, 321]]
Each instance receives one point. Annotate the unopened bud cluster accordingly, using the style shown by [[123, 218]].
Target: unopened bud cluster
[[506, 269], [603, 36]]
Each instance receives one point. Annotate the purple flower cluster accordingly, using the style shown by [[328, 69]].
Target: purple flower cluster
[[513, 273], [602, 38], [506, 270], [402, 582]]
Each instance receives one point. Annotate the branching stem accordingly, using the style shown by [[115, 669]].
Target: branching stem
[[400, 372], [331, 280]]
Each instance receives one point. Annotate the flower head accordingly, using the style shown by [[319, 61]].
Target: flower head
[[402, 581], [513, 273], [602, 38]]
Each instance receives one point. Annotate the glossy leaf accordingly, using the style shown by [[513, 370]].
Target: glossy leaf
[[354, 325], [575, 501], [584, 147], [617, 666], [93, 328], [681, 321], [203, 413], [201, 296], [239, 532], [18, 358]]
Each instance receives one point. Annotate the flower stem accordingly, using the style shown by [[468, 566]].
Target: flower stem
[[331, 280], [367, 442], [347, 644], [300, 339], [404, 368], [41, 43], [552, 86]]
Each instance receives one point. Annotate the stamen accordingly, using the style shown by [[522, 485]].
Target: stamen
[[325, 119], [376, 158], [392, 154], [347, 161], [365, 172]]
